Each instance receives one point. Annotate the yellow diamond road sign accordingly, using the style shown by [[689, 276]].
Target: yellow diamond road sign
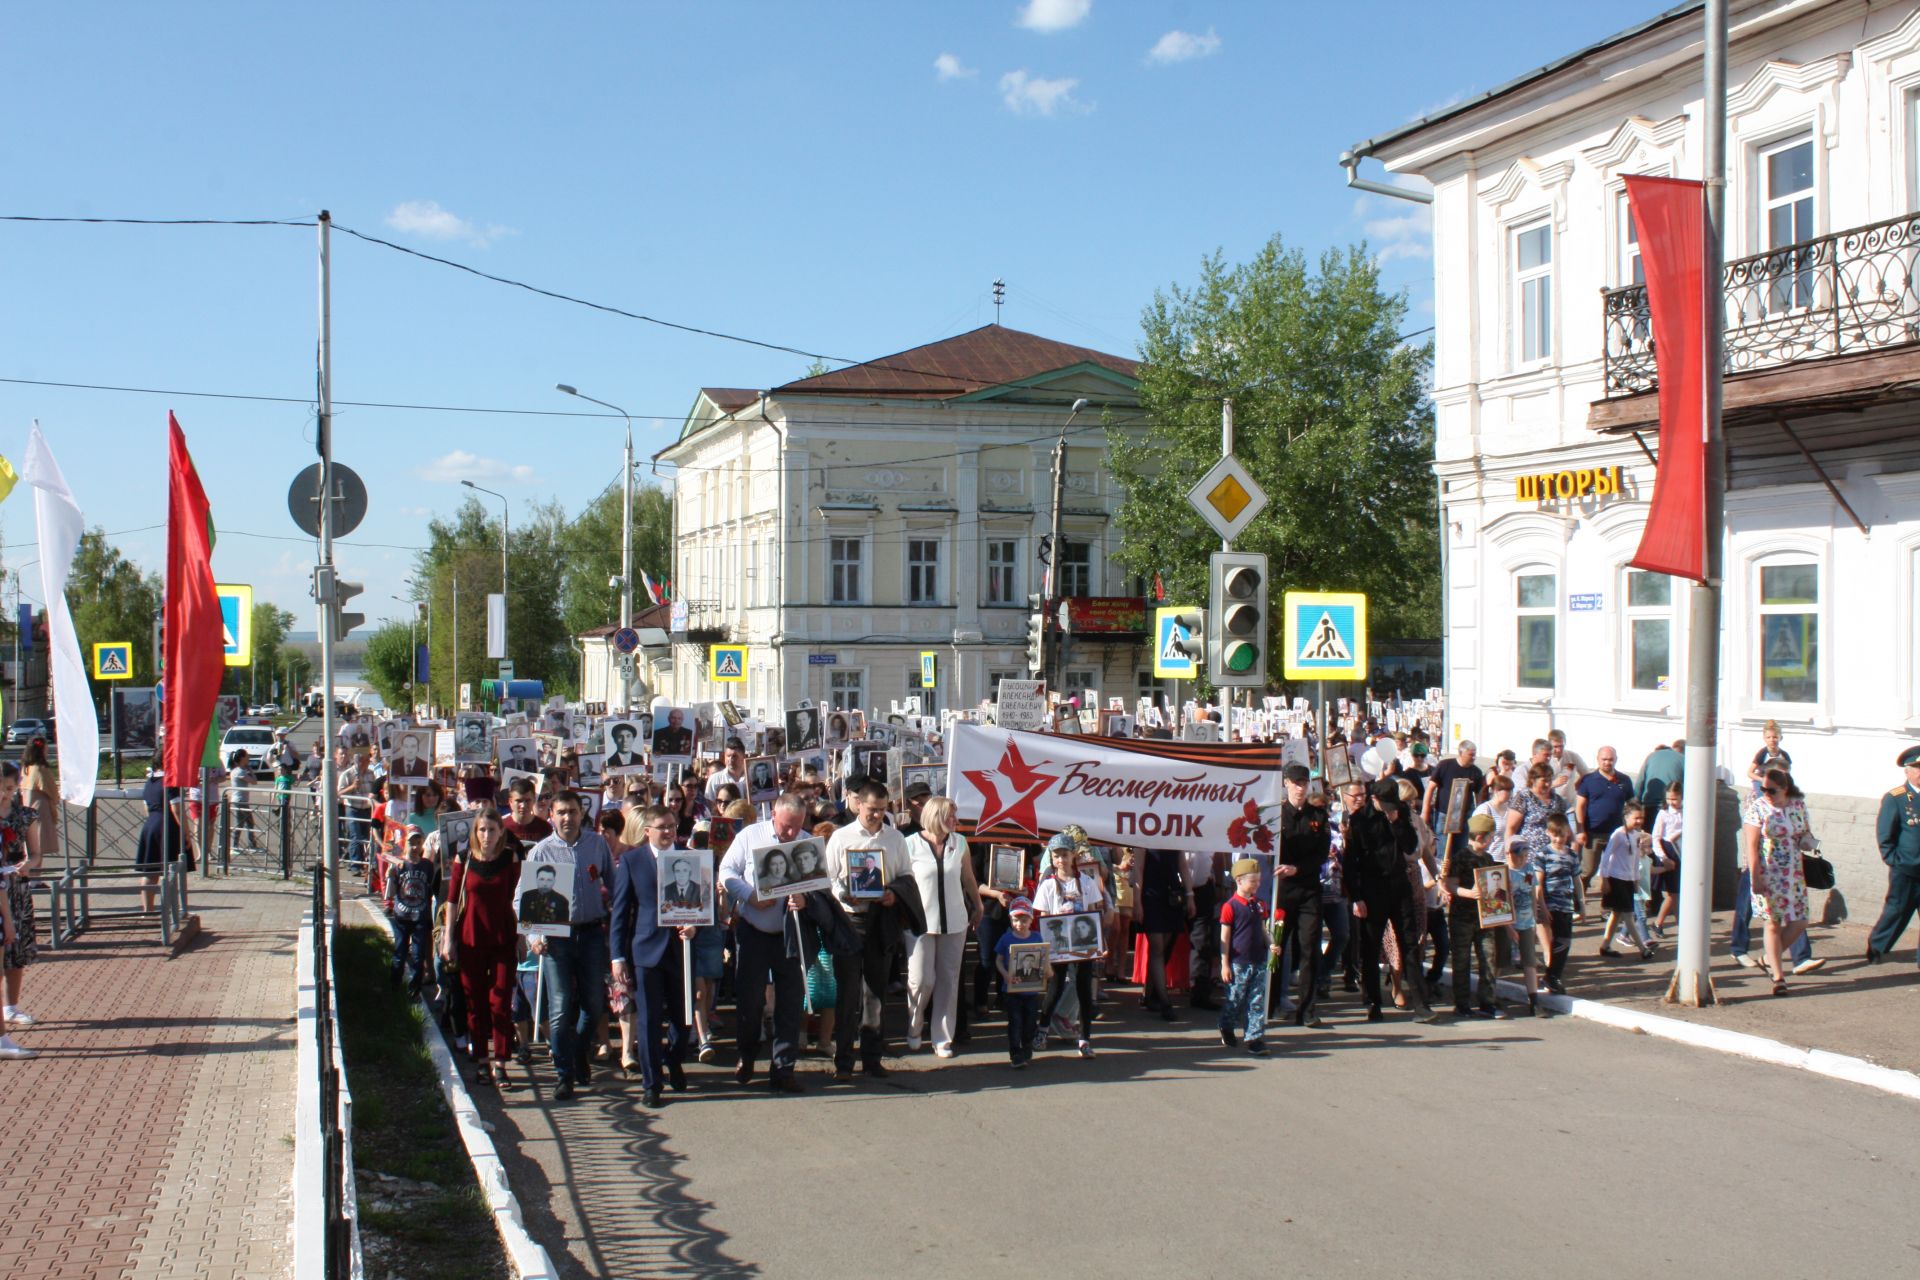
[[1227, 498]]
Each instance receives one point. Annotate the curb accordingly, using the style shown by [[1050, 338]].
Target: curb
[[527, 1258], [1839, 1066]]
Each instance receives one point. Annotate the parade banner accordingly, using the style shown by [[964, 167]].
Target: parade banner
[[1020, 786]]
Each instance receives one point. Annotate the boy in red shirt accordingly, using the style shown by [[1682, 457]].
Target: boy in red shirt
[[1245, 940]]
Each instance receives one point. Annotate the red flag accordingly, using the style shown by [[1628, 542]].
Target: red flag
[[1159, 590], [1670, 215], [195, 642]]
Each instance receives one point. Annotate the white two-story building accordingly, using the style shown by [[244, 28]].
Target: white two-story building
[[845, 524], [1547, 418]]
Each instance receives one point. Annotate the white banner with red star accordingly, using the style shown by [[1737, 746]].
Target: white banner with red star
[[1144, 792]]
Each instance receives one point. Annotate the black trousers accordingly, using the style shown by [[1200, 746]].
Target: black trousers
[[1206, 965], [1302, 934], [857, 1011], [1903, 899], [1081, 972], [1394, 907], [1470, 946], [763, 957], [1561, 925]]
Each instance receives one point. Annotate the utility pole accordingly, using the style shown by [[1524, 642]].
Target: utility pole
[[1053, 670], [329, 779], [454, 693], [1692, 984], [1225, 695], [626, 528]]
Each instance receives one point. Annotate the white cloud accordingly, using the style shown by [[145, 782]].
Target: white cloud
[[1396, 228], [948, 67], [1183, 46], [460, 465], [427, 218], [1037, 95], [1053, 15]]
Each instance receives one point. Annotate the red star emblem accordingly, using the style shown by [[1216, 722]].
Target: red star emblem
[[1025, 784]]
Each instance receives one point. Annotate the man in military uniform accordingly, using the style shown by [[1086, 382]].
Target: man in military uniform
[[1306, 838], [1899, 832]]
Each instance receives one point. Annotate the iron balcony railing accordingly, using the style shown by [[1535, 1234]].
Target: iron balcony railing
[[1834, 295]]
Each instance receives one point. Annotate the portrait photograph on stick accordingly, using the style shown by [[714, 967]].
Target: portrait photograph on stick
[[1079, 937], [543, 901], [1027, 966], [797, 866], [471, 737], [686, 887], [624, 744]]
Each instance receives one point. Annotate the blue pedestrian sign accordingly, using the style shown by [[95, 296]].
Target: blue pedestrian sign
[[626, 640], [236, 623], [1326, 635], [1173, 659]]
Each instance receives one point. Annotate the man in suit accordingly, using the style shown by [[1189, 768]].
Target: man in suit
[[646, 959], [673, 738], [543, 904], [1898, 830], [621, 738]]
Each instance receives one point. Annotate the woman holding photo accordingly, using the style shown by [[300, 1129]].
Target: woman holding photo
[[942, 868], [1067, 891], [481, 940]]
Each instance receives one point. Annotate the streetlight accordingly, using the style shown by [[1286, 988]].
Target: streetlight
[[1056, 556], [423, 599], [413, 653], [503, 561], [626, 522]]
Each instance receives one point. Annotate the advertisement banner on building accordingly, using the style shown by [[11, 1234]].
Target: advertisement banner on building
[[1104, 615], [1194, 796]]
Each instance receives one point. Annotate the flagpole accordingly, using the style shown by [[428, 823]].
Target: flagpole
[[329, 779], [1692, 982]]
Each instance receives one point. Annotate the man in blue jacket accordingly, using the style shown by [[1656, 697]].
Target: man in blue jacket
[[646, 959]]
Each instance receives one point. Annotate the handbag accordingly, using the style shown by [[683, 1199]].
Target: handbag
[[450, 932], [1817, 870]]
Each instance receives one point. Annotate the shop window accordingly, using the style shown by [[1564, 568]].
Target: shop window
[[1537, 610], [1650, 629], [1790, 632]]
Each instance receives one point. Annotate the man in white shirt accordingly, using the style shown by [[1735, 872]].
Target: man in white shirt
[[733, 770], [763, 954], [860, 1004]]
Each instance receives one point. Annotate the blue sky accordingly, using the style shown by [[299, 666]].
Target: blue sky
[[845, 178]]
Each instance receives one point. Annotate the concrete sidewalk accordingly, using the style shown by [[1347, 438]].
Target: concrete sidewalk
[[153, 1136]]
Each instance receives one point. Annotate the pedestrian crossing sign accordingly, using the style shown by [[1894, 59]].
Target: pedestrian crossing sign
[[727, 663], [1170, 660], [113, 660], [1326, 635], [929, 660], [236, 622]]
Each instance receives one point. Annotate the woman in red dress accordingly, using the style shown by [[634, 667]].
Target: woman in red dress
[[483, 933]]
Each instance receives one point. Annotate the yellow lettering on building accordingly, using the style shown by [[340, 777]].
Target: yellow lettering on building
[[1565, 486]]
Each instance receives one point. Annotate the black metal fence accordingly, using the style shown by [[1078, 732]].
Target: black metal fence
[[1833, 295], [335, 1138]]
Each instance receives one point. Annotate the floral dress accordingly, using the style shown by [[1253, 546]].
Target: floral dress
[[19, 889], [1781, 896]]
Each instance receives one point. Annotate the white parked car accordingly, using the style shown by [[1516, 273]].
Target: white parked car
[[256, 740]]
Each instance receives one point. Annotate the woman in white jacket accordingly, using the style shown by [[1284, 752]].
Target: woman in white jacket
[[950, 895]]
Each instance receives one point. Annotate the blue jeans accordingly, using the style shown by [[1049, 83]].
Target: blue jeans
[[1802, 949], [410, 938], [1023, 1019], [1246, 1001], [574, 971]]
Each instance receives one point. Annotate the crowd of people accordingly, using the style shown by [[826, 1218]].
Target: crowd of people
[[1374, 891]]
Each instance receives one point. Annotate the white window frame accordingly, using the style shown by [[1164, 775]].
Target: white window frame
[[837, 592], [1090, 581], [1004, 571], [1631, 615], [1076, 681], [924, 586], [1799, 290], [1629, 269], [1523, 280], [1522, 613], [1814, 612], [847, 689]]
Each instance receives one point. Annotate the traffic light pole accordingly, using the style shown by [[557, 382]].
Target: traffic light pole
[[1225, 692], [329, 779]]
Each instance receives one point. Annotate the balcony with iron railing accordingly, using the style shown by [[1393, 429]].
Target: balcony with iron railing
[[1844, 294]]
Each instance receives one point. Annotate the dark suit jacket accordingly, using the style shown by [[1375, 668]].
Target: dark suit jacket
[[637, 935]]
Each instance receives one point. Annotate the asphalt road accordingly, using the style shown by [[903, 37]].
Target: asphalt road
[[1557, 1148]]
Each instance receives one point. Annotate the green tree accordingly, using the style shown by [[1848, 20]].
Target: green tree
[[590, 544], [111, 598], [1331, 418], [389, 662]]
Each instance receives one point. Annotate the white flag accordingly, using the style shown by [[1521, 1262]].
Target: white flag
[[58, 522], [496, 625]]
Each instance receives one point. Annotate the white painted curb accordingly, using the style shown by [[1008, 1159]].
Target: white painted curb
[[1904, 1084], [528, 1259]]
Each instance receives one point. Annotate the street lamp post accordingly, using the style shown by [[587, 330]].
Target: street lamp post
[[413, 655], [423, 599], [626, 525], [504, 654]]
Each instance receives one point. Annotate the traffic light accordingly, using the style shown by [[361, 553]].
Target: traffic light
[[1237, 639], [1036, 639], [331, 592], [1194, 623]]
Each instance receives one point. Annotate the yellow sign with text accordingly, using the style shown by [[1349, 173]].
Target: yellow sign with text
[[1569, 486]]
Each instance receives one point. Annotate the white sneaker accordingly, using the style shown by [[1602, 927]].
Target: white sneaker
[[1805, 966], [1746, 961], [8, 1049], [943, 1051], [1086, 1050], [913, 1040], [21, 1018]]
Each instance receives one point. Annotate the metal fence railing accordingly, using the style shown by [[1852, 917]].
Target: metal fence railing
[[99, 876], [326, 1213], [265, 830]]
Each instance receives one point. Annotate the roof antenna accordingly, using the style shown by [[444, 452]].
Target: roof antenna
[[999, 299]]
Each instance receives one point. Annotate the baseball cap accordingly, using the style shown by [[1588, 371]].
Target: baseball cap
[[918, 790], [1061, 841], [1297, 773], [1021, 906], [1419, 748]]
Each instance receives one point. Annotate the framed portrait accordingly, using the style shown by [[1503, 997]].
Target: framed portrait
[[838, 731], [816, 761], [773, 741], [1458, 796], [763, 779], [686, 887], [1337, 766], [934, 775], [1074, 937], [523, 754], [472, 731], [803, 729], [706, 729], [668, 770], [511, 776], [590, 804], [730, 712], [856, 724], [865, 877], [456, 836], [411, 759], [624, 744], [673, 734], [556, 720], [869, 759], [797, 866], [543, 902], [1027, 966], [1496, 896], [1006, 868], [590, 768], [135, 719]]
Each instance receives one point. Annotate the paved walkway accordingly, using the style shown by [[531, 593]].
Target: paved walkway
[[153, 1136]]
